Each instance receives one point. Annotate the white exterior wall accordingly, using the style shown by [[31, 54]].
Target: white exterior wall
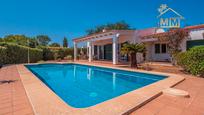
[[196, 34], [150, 46], [149, 51], [152, 56], [159, 56], [136, 38], [183, 45]]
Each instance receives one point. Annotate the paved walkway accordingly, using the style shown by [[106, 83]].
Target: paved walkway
[[13, 98], [169, 105]]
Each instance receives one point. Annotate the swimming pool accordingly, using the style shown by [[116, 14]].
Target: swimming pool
[[83, 86]]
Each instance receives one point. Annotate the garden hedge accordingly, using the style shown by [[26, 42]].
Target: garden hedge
[[51, 53], [2, 54], [67, 52], [13, 54], [47, 53], [193, 60]]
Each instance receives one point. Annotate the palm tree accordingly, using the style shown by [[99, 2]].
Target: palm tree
[[132, 50]]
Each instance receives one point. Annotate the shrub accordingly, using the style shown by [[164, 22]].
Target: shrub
[[68, 57], [69, 51], [47, 53], [35, 55], [61, 53], [193, 60], [181, 59], [41, 61], [19, 54], [12, 53], [56, 55], [53, 53], [2, 55]]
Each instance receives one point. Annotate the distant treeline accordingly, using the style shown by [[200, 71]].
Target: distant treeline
[[16, 49], [33, 42]]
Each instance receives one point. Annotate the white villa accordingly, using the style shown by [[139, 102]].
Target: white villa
[[107, 44]]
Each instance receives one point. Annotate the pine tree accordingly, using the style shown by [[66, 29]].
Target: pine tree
[[65, 42]]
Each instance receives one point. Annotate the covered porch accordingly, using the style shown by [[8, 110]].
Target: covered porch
[[104, 46]]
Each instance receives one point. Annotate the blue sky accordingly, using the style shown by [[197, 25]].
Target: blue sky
[[71, 18]]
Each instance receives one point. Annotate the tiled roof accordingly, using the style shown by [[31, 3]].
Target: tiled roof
[[108, 32], [161, 34], [195, 27], [75, 39], [165, 33], [147, 32]]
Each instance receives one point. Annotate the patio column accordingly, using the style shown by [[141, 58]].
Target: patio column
[[102, 49], [115, 50], [75, 51], [98, 53], [90, 51], [87, 49]]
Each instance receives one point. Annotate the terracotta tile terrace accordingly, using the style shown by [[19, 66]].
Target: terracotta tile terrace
[[13, 98], [170, 105]]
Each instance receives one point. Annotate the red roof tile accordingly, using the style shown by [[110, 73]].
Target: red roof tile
[[195, 27], [147, 32]]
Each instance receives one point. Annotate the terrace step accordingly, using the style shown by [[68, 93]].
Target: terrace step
[[176, 92]]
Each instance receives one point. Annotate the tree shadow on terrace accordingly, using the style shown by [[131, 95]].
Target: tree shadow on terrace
[[7, 81]]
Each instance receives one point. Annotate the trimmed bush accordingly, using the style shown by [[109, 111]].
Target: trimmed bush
[[65, 52], [19, 54], [68, 57], [2, 55], [47, 53], [53, 53], [69, 52], [61, 53], [193, 60], [13, 54], [35, 55]]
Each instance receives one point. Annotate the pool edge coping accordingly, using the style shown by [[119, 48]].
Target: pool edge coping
[[116, 103]]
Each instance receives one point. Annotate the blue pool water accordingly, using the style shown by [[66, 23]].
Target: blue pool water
[[82, 86]]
